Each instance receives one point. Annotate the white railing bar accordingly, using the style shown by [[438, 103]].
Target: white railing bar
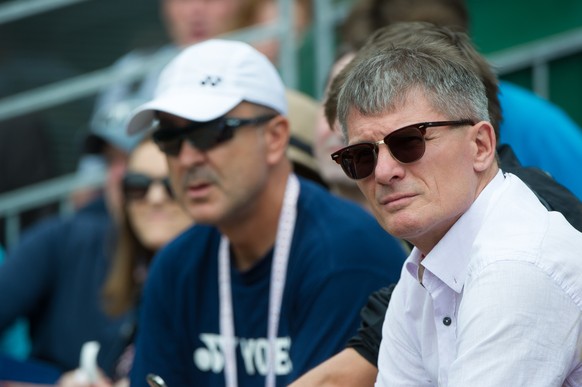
[[20, 9], [84, 85], [13, 203], [88, 84], [12, 230], [287, 43], [541, 79], [73, 88], [543, 50], [46, 192], [327, 17], [324, 28]]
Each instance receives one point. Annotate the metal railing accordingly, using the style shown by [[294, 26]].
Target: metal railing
[[20, 9], [537, 56], [56, 190]]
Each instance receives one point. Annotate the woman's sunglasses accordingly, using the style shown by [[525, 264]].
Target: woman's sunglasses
[[136, 185], [203, 135], [406, 145]]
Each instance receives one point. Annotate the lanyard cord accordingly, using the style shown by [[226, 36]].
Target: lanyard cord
[[276, 288]]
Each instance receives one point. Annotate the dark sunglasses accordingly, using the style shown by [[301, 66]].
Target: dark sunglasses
[[136, 185], [203, 135], [406, 145]]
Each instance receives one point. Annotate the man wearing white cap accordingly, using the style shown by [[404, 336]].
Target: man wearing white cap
[[270, 281]]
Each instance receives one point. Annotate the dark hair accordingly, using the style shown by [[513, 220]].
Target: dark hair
[[122, 286]]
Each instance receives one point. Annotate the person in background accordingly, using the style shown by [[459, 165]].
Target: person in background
[[556, 151], [269, 282], [257, 12], [187, 22], [151, 218], [60, 297], [105, 127], [302, 113]]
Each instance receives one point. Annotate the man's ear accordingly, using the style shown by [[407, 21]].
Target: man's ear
[[277, 135], [485, 145]]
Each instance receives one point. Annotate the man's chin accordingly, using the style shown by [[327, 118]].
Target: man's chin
[[400, 225], [203, 213]]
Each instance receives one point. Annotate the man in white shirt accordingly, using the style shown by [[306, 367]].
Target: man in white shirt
[[491, 294]]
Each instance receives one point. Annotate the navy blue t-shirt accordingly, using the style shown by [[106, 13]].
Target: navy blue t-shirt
[[339, 255]]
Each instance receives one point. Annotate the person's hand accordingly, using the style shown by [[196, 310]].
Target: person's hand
[[77, 378], [122, 383]]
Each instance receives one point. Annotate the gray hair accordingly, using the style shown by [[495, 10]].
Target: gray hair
[[384, 80]]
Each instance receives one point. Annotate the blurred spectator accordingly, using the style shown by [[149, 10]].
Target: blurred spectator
[[60, 297], [187, 22], [265, 11], [192, 21], [151, 218], [302, 113], [106, 127]]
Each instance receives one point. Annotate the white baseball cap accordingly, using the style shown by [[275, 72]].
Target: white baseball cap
[[208, 79]]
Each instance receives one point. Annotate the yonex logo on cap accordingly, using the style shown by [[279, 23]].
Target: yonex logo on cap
[[234, 69], [211, 81]]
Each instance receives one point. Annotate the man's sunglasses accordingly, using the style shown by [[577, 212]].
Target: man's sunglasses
[[136, 185], [203, 135], [406, 145]]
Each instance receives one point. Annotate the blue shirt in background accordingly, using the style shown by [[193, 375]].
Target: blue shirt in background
[[14, 341], [542, 135]]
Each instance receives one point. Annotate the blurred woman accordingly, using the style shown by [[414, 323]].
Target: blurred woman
[[151, 219]]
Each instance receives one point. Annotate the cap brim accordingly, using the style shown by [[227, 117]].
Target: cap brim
[[193, 107]]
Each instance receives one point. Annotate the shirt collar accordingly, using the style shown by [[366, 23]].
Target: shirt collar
[[413, 262], [449, 259]]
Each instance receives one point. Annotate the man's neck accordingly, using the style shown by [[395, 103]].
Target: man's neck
[[252, 235]]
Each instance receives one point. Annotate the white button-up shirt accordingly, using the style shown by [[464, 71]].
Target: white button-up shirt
[[500, 302]]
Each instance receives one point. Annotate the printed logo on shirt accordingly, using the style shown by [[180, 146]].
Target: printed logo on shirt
[[210, 357]]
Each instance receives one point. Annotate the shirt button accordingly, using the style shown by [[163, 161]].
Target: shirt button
[[447, 321]]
